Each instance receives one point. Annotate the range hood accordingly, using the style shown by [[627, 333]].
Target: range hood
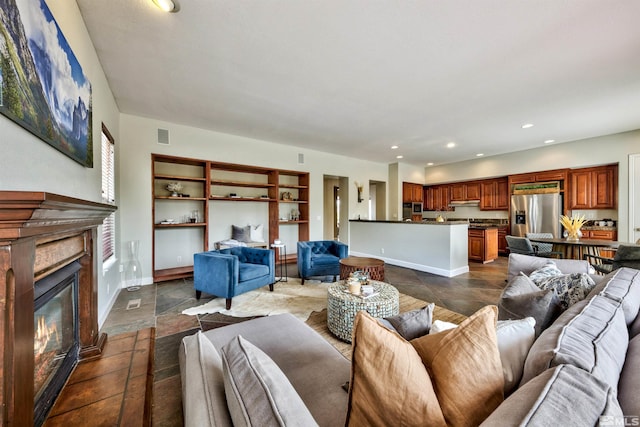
[[464, 203]]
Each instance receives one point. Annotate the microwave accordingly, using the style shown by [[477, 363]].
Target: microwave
[[416, 208]]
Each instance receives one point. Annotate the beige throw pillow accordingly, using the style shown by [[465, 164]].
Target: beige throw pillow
[[389, 383], [464, 364]]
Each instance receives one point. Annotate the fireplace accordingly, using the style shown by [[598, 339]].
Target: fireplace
[[48, 298], [55, 341]]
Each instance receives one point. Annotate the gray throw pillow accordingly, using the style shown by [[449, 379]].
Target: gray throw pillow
[[258, 392], [414, 323], [522, 298], [550, 269], [570, 288], [241, 234]]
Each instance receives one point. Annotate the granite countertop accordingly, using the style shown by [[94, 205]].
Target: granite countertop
[[597, 227], [430, 222]]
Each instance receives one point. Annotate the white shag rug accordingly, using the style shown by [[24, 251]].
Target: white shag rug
[[287, 297]]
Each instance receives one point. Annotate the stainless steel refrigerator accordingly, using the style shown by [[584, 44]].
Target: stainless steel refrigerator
[[536, 213]]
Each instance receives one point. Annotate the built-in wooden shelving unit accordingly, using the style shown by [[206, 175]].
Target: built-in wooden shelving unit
[[207, 183]]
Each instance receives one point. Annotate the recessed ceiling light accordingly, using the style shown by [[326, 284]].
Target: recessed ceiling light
[[527, 126], [167, 5], [394, 147], [549, 141], [399, 157], [479, 154], [430, 164], [451, 144]]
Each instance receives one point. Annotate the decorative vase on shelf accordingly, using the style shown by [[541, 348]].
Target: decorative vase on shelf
[[174, 188]]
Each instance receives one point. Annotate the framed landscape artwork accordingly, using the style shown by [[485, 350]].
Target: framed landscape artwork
[[43, 86]]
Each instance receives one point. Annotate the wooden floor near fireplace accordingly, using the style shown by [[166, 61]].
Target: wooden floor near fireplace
[[114, 389]]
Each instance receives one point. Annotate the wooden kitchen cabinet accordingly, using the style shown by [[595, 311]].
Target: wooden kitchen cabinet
[[502, 239], [463, 191], [437, 198], [427, 198], [483, 245], [594, 188], [494, 195], [411, 192], [600, 234], [541, 176]]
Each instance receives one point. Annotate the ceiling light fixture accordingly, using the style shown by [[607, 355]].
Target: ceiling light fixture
[[479, 154], [451, 144], [399, 157], [430, 164], [394, 147], [549, 141], [527, 126], [167, 5]]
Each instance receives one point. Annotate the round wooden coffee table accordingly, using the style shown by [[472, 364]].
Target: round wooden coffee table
[[374, 267], [342, 306]]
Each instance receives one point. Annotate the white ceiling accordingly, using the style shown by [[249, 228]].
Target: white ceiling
[[355, 77]]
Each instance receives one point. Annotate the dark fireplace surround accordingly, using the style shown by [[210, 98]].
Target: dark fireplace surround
[[41, 234]]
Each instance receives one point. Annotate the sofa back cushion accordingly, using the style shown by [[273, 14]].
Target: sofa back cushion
[[622, 285], [527, 264], [591, 335], [560, 396], [630, 380]]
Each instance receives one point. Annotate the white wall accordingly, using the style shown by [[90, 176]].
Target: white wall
[[587, 152], [29, 164], [139, 137]]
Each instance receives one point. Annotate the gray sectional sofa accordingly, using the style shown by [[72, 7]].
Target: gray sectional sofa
[[315, 369], [584, 366]]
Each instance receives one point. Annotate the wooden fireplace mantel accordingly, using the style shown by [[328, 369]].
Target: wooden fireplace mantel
[[40, 233]]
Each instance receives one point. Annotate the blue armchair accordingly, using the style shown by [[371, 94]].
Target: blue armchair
[[229, 272], [320, 258]]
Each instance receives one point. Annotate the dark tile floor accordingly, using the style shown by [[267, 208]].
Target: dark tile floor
[[161, 306]]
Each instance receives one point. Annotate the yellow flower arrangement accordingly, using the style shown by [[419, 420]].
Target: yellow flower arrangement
[[572, 225]]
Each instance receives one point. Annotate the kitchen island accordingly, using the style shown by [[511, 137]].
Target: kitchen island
[[435, 247]]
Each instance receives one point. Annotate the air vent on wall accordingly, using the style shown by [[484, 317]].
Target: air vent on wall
[[163, 136], [300, 159]]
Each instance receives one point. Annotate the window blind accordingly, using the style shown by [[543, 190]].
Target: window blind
[[108, 193]]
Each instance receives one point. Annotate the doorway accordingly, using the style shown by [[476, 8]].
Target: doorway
[[336, 208], [377, 200]]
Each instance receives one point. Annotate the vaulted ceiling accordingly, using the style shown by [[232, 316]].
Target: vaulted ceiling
[[355, 77]]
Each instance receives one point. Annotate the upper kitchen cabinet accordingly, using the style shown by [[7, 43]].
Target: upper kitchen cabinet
[[494, 195], [437, 198], [411, 192], [463, 191], [542, 176], [594, 188]]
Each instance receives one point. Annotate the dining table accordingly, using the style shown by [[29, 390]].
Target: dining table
[[576, 249]]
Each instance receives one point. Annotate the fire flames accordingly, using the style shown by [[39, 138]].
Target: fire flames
[[43, 335], [43, 357]]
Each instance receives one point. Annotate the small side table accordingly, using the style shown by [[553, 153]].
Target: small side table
[[282, 261], [342, 306], [372, 266]]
